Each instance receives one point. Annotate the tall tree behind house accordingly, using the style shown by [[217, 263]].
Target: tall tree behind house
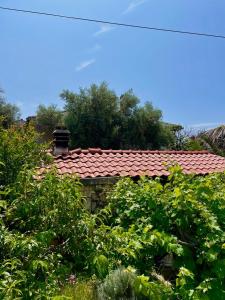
[[97, 117]]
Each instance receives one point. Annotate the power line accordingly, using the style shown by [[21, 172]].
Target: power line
[[115, 23]]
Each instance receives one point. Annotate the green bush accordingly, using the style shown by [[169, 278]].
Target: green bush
[[55, 208], [44, 224], [44, 237], [19, 149], [175, 228], [117, 285]]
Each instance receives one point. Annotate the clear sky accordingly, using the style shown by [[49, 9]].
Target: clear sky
[[182, 75]]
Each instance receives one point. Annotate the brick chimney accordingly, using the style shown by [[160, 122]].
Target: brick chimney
[[61, 140]]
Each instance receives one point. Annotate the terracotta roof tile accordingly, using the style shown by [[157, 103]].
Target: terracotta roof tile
[[95, 162]]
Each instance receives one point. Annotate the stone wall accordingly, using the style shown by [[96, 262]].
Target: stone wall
[[96, 189]]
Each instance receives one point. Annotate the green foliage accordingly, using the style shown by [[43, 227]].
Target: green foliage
[[211, 140], [19, 149], [125, 283], [176, 228], [188, 141], [44, 224], [153, 240], [81, 290], [91, 116], [101, 266], [157, 288], [46, 236], [61, 218], [97, 117], [172, 234], [47, 119], [28, 269], [8, 112], [118, 285]]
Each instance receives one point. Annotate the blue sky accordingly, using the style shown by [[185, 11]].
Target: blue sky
[[182, 75]]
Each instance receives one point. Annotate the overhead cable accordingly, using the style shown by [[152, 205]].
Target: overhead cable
[[193, 33]]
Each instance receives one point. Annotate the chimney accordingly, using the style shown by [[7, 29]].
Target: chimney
[[61, 140]]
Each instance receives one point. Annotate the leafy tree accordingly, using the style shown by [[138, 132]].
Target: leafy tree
[[92, 116], [144, 129], [186, 140], [8, 112], [97, 117], [19, 149], [47, 119], [211, 140]]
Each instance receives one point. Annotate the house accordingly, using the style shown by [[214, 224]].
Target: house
[[99, 169]]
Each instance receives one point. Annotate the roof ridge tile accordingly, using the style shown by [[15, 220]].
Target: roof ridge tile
[[129, 151], [99, 162]]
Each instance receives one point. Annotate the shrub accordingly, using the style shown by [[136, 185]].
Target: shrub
[[118, 285], [19, 149], [85, 290], [176, 228], [126, 284], [44, 236]]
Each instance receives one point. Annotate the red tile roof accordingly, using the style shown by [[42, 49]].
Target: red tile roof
[[92, 163]]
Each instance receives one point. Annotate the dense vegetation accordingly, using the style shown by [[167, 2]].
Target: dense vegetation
[[8, 111], [18, 150], [151, 241], [97, 117], [47, 118]]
